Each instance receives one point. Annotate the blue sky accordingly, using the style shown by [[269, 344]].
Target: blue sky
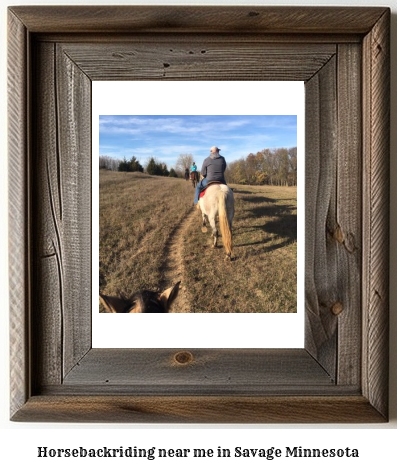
[[166, 137]]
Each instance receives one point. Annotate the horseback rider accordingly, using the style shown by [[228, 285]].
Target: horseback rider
[[213, 170], [193, 168], [186, 174]]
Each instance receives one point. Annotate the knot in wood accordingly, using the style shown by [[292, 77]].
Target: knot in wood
[[338, 235], [183, 358], [337, 308]]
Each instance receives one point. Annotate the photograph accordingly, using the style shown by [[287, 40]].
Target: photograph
[[217, 224]]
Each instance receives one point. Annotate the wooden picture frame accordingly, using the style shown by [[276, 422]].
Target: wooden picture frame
[[342, 54]]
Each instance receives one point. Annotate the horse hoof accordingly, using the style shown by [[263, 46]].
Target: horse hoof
[[204, 229]]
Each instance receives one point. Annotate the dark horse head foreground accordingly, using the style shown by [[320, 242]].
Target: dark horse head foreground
[[142, 301]]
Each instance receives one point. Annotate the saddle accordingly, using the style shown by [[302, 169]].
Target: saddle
[[208, 185]]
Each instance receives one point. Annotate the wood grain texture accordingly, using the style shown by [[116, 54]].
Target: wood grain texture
[[321, 277], [333, 215], [47, 294], [341, 376], [199, 409], [18, 213], [74, 125], [223, 59], [346, 227], [62, 262], [196, 19], [229, 370], [156, 39], [376, 90]]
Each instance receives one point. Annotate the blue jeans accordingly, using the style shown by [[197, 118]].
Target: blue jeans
[[199, 188]]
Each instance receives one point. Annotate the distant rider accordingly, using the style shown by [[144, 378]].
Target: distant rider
[[186, 174], [193, 168], [213, 170]]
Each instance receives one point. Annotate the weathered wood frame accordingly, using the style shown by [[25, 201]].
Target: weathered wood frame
[[342, 54]]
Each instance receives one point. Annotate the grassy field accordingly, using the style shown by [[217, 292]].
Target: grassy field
[[150, 237], [137, 214]]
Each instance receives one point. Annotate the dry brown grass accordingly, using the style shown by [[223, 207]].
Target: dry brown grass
[[139, 216], [263, 275]]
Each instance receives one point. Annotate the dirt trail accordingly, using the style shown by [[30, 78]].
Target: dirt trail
[[173, 265]]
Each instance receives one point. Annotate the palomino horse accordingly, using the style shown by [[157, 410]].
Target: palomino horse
[[142, 301], [218, 200], [194, 177]]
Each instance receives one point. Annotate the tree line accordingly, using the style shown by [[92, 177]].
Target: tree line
[[153, 166], [266, 167]]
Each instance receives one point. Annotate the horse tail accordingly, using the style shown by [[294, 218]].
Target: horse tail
[[226, 230]]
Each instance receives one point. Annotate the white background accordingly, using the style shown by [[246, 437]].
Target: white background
[[19, 442], [222, 330]]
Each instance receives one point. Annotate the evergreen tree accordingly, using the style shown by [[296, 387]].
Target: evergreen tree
[[135, 166], [123, 166], [164, 170], [132, 165], [152, 167], [156, 168]]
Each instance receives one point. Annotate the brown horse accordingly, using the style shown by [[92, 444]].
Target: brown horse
[[194, 177], [142, 301]]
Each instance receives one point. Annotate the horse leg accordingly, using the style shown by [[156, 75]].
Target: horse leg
[[230, 216], [203, 227], [214, 231]]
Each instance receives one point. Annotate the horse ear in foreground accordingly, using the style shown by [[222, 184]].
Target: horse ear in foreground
[[142, 301], [218, 200]]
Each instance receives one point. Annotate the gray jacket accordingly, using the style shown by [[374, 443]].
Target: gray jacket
[[214, 167]]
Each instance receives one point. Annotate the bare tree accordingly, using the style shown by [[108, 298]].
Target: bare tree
[[293, 161], [108, 163], [267, 167], [184, 161]]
